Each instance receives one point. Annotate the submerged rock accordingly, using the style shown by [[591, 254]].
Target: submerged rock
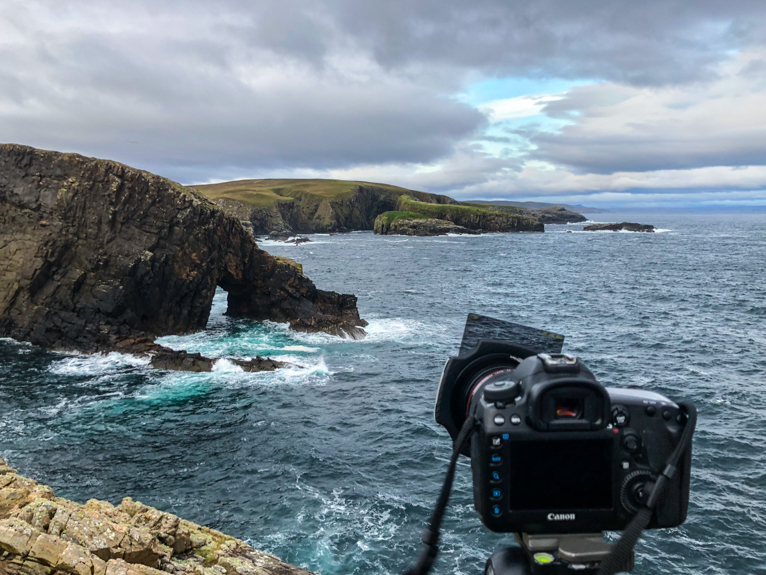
[[41, 534], [95, 255], [624, 226]]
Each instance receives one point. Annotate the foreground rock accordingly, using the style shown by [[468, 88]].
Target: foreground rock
[[41, 534], [622, 227], [96, 256], [410, 224]]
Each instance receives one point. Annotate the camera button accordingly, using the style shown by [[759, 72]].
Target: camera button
[[620, 416], [499, 419], [631, 443], [496, 511], [651, 410], [515, 419], [495, 477], [625, 464], [496, 442], [497, 493], [667, 415], [496, 459]]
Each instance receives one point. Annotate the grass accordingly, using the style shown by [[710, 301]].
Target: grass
[[507, 209], [441, 211], [263, 193], [391, 217]]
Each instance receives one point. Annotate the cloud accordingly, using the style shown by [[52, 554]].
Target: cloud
[[613, 127], [202, 91], [184, 96]]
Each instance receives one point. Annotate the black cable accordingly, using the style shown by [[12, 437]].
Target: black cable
[[431, 535], [620, 553]]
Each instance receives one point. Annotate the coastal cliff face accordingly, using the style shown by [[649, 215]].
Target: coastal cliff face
[[279, 207], [41, 534], [309, 214], [412, 224], [95, 254]]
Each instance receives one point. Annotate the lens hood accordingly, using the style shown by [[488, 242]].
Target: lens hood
[[462, 371]]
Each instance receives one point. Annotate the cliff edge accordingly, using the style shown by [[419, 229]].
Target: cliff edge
[[95, 255], [41, 534]]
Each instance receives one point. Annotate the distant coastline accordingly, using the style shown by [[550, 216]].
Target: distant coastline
[[542, 205]]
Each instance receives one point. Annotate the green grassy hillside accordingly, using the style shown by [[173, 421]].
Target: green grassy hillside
[[316, 205], [264, 193]]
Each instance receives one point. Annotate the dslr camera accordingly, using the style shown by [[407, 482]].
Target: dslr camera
[[556, 457]]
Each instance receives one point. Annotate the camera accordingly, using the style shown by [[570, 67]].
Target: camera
[[554, 451]]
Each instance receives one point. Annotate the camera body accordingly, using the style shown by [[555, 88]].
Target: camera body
[[556, 452]]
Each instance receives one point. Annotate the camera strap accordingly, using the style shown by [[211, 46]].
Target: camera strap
[[624, 546], [431, 535]]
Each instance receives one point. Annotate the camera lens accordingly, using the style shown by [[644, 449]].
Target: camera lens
[[569, 408]]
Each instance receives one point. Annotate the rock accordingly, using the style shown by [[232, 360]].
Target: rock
[[558, 215], [472, 217], [94, 253], [182, 361], [287, 237], [41, 534], [624, 226], [415, 225]]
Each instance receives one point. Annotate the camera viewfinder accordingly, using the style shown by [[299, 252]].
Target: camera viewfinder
[[569, 408]]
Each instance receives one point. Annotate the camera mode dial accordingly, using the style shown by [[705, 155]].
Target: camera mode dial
[[635, 490], [505, 391]]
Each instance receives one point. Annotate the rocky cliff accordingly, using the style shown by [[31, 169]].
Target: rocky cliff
[[483, 219], [412, 224], [309, 206], [95, 255], [41, 534], [321, 206]]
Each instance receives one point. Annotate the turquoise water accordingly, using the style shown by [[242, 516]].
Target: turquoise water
[[335, 464]]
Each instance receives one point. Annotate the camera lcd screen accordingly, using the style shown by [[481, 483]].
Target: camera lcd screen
[[561, 474]]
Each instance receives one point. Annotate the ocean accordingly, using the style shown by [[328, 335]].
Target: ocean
[[335, 464]]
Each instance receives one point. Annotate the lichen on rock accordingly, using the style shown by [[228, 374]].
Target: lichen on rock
[[41, 534]]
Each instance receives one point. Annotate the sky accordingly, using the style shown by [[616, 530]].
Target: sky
[[607, 103]]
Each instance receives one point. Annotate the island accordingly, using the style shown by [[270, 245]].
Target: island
[[621, 227], [96, 256]]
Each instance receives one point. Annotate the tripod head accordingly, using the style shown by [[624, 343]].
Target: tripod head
[[553, 555]]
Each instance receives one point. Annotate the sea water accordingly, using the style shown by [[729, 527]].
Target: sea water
[[335, 464]]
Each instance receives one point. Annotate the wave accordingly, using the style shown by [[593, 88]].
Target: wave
[[97, 364]]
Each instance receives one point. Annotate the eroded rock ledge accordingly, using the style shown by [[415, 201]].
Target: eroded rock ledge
[[95, 255], [41, 534]]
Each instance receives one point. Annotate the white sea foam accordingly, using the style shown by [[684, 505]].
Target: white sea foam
[[96, 364], [226, 366], [17, 342], [300, 348]]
